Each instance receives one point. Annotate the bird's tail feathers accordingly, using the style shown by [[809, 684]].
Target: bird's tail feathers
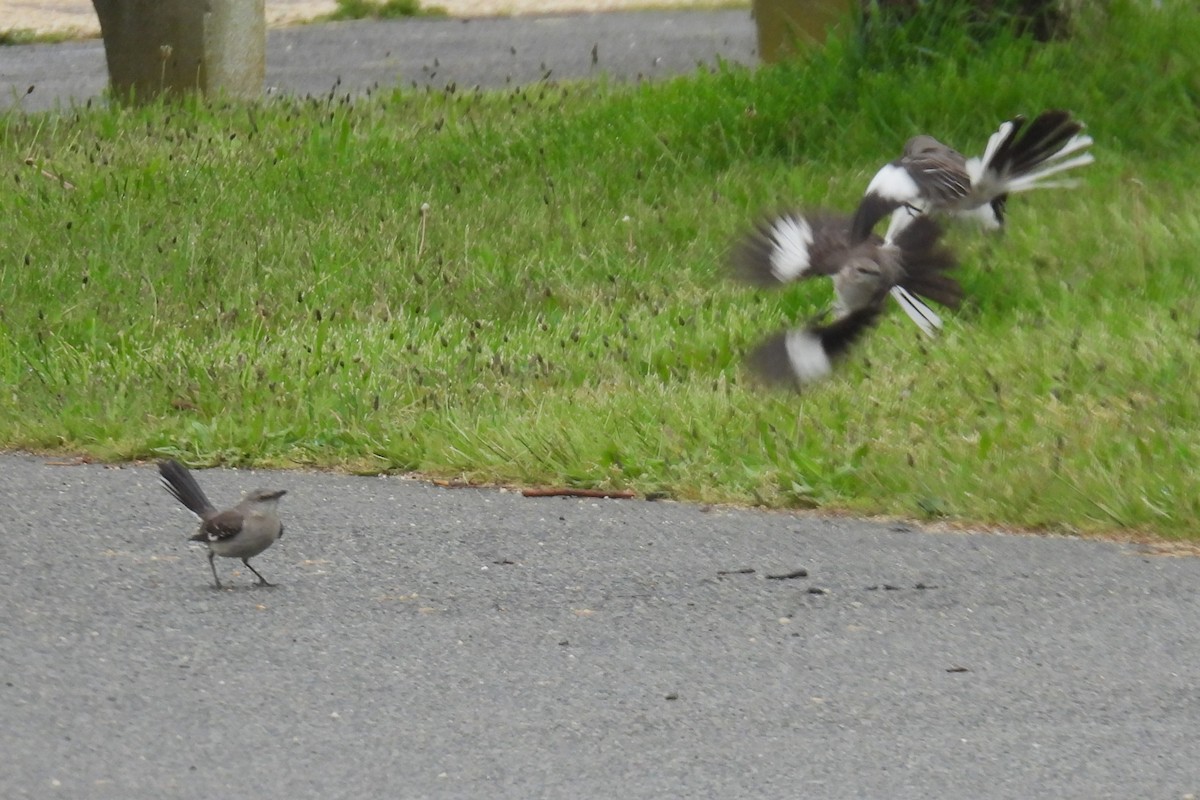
[[1035, 179], [926, 264], [936, 286], [924, 316], [1001, 138], [1052, 135], [1018, 157], [177, 480]]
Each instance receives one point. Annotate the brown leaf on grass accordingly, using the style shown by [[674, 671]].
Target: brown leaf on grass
[[59, 179]]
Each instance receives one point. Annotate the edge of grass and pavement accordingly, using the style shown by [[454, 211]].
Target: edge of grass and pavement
[[527, 286]]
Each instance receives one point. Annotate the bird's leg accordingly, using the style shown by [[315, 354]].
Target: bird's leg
[[262, 581], [213, 567]]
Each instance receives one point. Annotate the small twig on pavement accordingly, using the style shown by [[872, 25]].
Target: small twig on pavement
[[552, 492]]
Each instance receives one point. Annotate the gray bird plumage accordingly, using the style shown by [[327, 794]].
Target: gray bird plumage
[[932, 178], [242, 532], [796, 245]]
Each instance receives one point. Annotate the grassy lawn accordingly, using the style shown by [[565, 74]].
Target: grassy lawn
[[379, 9], [528, 285]]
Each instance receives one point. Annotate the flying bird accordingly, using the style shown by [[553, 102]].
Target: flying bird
[[865, 269], [932, 178]]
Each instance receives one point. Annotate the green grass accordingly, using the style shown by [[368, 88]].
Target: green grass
[[379, 9], [16, 36], [261, 284]]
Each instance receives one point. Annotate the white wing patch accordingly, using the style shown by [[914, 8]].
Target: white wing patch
[[790, 256], [807, 356], [894, 183]]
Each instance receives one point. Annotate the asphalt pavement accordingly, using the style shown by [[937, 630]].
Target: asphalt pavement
[[430, 642], [354, 57]]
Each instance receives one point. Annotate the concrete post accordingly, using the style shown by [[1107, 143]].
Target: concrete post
[[785, 24], [176, 46]]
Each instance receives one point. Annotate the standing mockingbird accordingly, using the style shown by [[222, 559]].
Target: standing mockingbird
[[242, 532], [864, 269], [931, 178]]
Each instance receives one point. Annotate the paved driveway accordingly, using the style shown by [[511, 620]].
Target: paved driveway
[[428, 642], [355, 56]]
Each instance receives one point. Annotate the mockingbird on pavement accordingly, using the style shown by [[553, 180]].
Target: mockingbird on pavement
[[242, 532], [865, 269], [931, 178]]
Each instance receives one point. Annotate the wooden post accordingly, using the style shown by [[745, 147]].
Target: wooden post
[[784, 25], [176, 46]]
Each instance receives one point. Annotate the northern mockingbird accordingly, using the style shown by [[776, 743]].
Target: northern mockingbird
[[797, 245], [931, 178], [242, 532]]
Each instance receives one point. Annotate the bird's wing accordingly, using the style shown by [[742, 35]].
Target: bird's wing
[[926, 265], [790, 246], [941, 177], [221, 526], [916, 183], [802, 356]]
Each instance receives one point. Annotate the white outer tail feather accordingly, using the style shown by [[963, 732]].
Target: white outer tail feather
[[987, 182], [1077, 142], [918, 312], [1033, 180], [994, 142]]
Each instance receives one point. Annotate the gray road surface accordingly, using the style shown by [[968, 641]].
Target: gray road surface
[[493, 52], [426, 642]]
